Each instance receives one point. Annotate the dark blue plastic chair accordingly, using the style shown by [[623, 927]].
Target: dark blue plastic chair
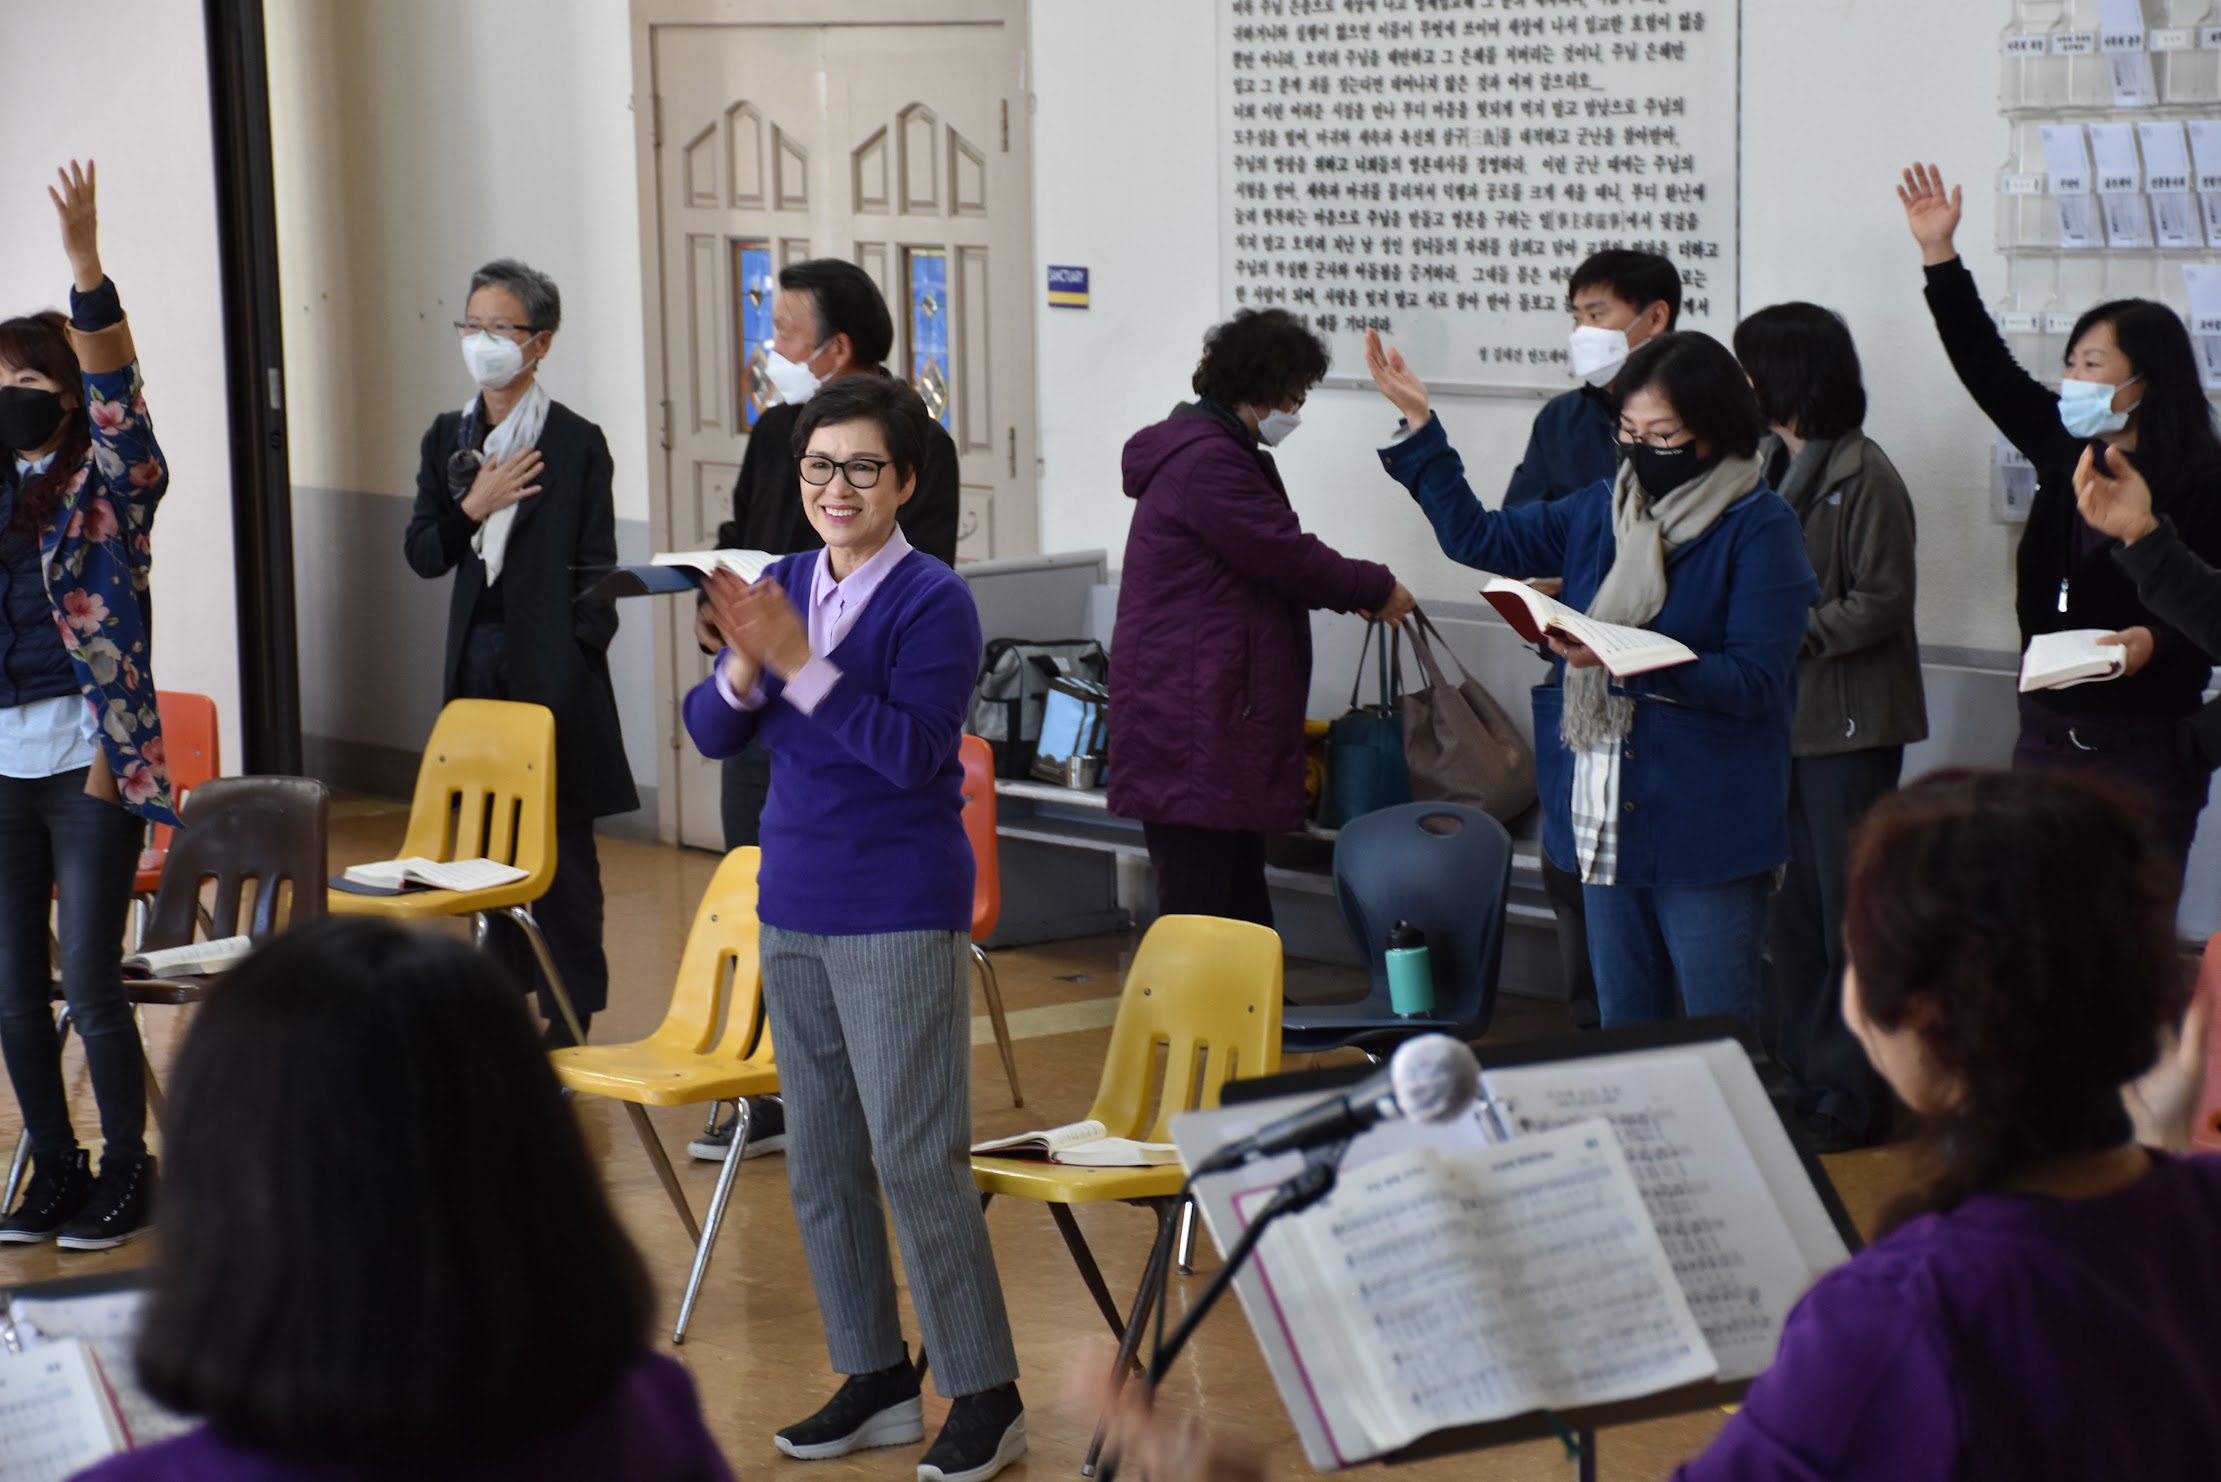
[[1446, 869]]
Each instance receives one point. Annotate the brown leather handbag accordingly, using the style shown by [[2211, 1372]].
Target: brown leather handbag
[[1460, 744]]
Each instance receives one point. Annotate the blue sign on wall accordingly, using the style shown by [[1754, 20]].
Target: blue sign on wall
[[1067, 287]]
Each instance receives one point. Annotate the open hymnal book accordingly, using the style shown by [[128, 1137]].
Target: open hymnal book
[[57, 1416], [1723, 1192], [455, 874], [193, 957], [1081, 1145], [1622, 650], [2057, 660], [749, 566]]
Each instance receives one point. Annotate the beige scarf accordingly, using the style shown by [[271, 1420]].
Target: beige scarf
[[1634, 590]]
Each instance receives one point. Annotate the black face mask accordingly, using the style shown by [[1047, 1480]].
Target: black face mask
[[28, 417], [1660, 471]]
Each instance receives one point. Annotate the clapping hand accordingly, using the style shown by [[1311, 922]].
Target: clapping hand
[[2114, 499], [502, 483], [1396, 380], [760, 626], [1931, 212], [2162, 1103], [74, 203]]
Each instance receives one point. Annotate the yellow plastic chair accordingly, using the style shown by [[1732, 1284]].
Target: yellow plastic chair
[[486, 788], [685, 1060], [1206, 992]]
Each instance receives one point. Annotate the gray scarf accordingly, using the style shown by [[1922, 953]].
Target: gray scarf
[[1634, 590]]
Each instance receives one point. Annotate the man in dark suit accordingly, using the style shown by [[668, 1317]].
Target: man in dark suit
[[829, 320]]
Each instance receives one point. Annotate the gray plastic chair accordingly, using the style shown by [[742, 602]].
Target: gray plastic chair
[[1446, 869]]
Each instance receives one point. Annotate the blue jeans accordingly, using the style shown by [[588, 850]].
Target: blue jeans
[[1646, 939]]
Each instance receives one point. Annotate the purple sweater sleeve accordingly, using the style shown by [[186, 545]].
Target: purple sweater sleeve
[[718, 730], [908, 733]]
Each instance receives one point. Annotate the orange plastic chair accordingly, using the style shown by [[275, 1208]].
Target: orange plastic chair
[[2205, 1126], [685, 1060], [1205, 992], [987, 891]]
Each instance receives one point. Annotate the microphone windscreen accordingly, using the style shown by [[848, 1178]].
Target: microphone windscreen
[[1434, 1078]]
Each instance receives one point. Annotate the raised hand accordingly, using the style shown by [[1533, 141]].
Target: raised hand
[[2114, 499], [500, 484], [80, 223], [2162, 1104], [1931, 212], [1396, 380]]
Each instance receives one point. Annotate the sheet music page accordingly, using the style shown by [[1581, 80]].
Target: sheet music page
[[1740, 1264], [1451, 1291], [54, 1421], [109, 1324]]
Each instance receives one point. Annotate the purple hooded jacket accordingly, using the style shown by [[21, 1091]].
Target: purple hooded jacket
[[1210, 663]]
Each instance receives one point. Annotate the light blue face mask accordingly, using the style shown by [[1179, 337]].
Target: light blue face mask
[[2086, 407]]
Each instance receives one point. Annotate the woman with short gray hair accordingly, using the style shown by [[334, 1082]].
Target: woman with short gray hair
[[513, 496]]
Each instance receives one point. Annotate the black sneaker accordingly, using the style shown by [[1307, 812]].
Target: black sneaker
[[767, 1133], [120, 1207], [984, 1433], [882, 1409], [58, 1189]]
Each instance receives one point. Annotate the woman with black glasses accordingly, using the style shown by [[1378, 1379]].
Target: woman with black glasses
[[513, 496]]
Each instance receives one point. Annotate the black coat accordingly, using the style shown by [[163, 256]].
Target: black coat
[[767, 495], [564, 537]]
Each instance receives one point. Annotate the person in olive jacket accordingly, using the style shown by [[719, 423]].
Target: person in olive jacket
[[1859, 695], [1210, 662], [513, 496]]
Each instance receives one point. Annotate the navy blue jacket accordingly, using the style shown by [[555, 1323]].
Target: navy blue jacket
[[1570, 448], [33, 663], [1704, 779]]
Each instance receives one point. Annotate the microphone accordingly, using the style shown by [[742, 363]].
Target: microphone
[[1433, 1078]]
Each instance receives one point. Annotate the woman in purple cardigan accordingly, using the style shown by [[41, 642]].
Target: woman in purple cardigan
[[854, 665], [1211, 659], [2047, 1304]]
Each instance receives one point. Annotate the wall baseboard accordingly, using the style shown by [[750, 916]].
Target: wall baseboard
[[371, 770]]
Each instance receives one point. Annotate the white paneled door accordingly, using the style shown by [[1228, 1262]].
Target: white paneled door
[[900, 147]]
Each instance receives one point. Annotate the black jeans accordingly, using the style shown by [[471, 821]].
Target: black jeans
[[1568, 907], [60, 847], [745, 785], [570, 914], [1828, 796], [1209, 872]]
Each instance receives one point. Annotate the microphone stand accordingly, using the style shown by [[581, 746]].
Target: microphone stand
[[1313, 1182]]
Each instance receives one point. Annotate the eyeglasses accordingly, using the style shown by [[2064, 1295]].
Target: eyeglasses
[[1654, 439], [861, 473], [465, 328]]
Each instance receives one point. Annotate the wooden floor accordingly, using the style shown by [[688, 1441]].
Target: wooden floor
[[756, 1349]]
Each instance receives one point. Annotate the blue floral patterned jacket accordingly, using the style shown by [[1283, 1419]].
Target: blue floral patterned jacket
[[97, 549]]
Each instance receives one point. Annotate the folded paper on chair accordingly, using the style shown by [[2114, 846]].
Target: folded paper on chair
[[192, 958], [1080, 1145], [676, 571], [398, 876]]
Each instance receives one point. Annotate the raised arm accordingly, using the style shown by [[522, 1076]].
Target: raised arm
[[127, 456], [2015, 401]]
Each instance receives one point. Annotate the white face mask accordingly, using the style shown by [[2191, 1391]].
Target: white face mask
[[1273, 427], [493, 361], [795, 382], [1597, 354]]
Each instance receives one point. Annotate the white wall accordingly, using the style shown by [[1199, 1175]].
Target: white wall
[[146, 121], [1127, 185]]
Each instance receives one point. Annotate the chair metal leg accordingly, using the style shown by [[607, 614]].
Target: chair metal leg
[[1090, 1273], [522, 915], [1184, 1257], [156, 1105], [16, 1165], [709, 1124], [993, 993], [718, 1200], [1153, 1276], [661, 1162]]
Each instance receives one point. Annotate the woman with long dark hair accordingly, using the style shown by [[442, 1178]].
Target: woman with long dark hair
[[81, 766], [385, 1250], [2131, 382]]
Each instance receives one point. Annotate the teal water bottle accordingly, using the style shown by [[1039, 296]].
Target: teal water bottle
[[1410, 974]]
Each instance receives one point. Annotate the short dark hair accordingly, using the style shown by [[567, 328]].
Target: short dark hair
[[1703, 385], [2031, 916], [847, 302], [543, 306], [382, 1237], [1260, 358], [887, 400], [1804, 369], [40, 342], [2174, 421], [1637, 279]]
